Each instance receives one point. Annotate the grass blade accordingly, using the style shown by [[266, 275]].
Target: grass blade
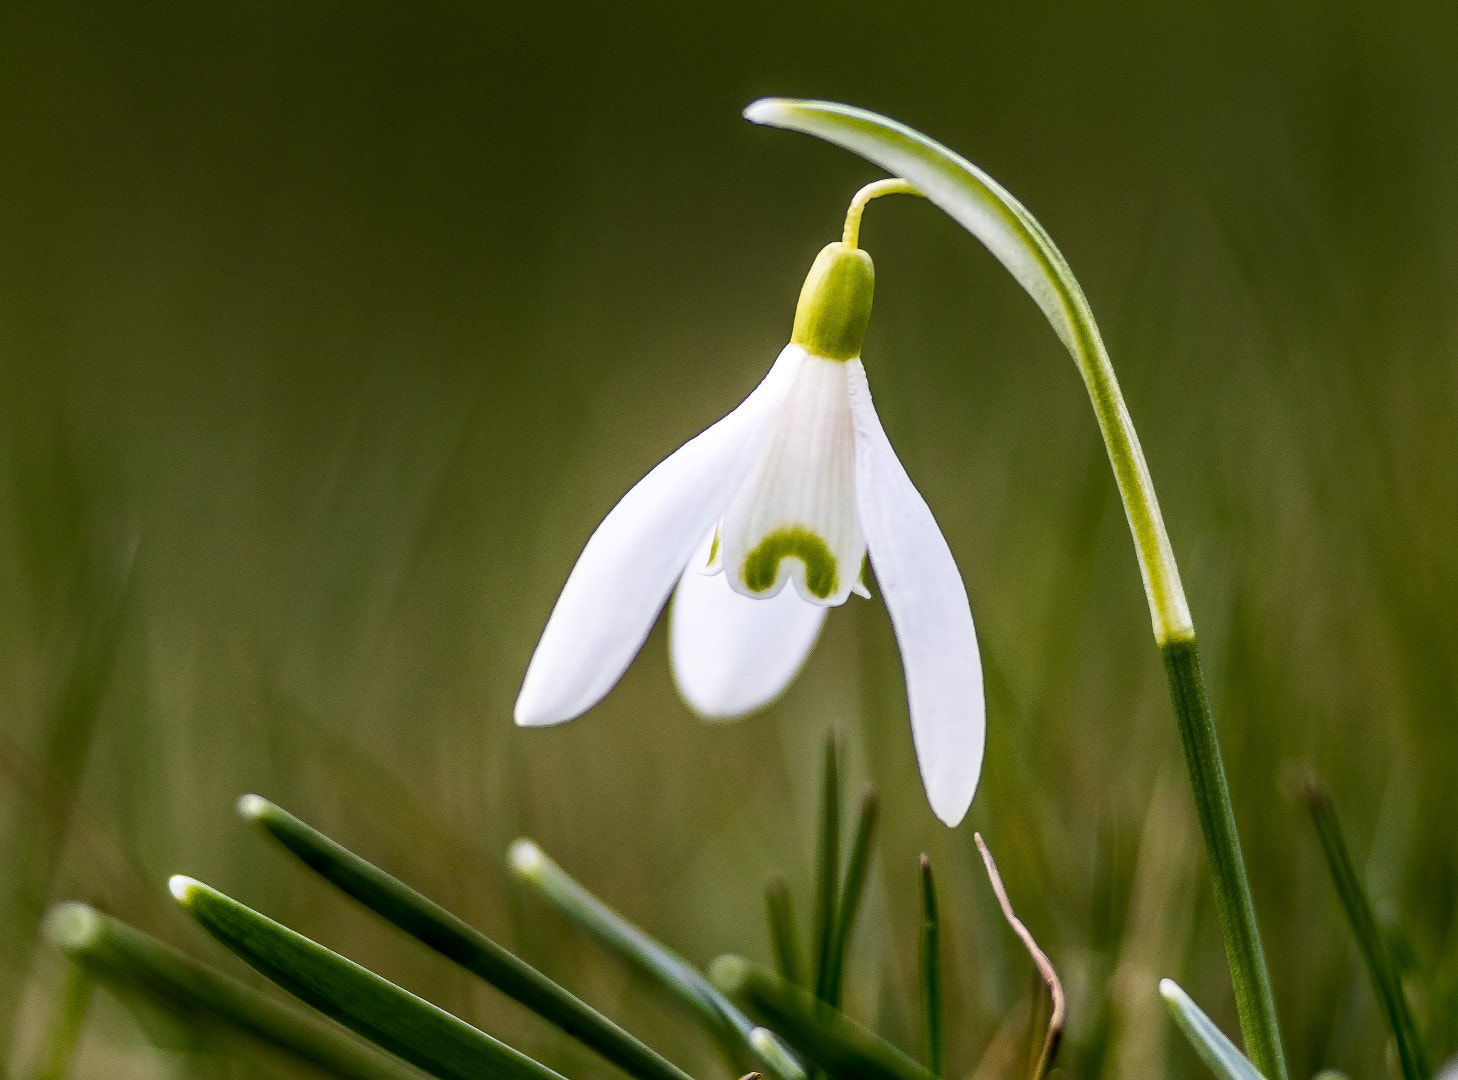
[[848, 905], [735, 1031], [1040, 960], [375, 1008], [931, 973], [823, 1036], [1382, 967], [130, 962], [1209, 1041], [448, 935], [827, 869], [65, 1033], [784, 939]]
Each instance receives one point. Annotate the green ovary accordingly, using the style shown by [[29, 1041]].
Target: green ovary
[[762, 566]]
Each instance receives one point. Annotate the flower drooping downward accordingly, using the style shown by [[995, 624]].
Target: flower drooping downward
[[764, 522]]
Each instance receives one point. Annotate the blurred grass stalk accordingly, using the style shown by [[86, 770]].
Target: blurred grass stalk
[[1381, 966], [135, 965], [37, 838], [981, 206]]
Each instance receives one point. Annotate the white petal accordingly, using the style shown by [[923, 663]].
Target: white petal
[[631, 562], [929, 611], [733, 654], [795, 517]]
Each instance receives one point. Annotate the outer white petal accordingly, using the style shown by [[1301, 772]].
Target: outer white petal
[[732, 654], [929, 611], [631, 562], [795, 518]]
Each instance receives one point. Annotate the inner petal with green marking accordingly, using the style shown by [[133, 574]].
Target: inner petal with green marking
[[762, 567], [795, 519]]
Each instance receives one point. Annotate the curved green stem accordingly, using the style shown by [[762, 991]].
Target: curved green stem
[[981, 206]]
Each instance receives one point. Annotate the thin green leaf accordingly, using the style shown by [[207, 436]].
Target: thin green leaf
[[824, 1036], [734, 1031], [129, 962], [852, 889], [395, 1019], [1215, 1050], [931, 973], [784, 939], [827, 870], [431, 924], [1382, 966]]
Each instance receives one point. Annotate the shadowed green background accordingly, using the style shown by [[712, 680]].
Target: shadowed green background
[[352, 321]]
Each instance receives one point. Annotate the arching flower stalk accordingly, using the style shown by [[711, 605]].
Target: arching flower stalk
[[759, 526]]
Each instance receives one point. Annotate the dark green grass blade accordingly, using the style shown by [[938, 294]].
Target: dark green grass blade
[[784, 938], [1382, 966], [823, 1036], [931, 973], [735, 1031], [395, 1019], [827, 869], [431, 924], [129, 962], [853, 888]]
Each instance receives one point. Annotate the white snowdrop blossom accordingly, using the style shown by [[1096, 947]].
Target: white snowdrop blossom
[[759, 526]]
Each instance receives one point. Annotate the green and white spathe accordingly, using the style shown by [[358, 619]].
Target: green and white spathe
[[761, 524]]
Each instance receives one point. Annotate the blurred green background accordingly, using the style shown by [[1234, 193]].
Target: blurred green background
[[343, 325]]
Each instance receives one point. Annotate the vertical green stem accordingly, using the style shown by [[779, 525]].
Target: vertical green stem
[[827, 871], [1243, 950], [931, 973], [780, 910], [65, 1033]]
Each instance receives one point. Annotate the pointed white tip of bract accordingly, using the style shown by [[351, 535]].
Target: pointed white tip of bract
[[765, 110], [525, 858], [252, 807], [1170, 990], [182, 887]]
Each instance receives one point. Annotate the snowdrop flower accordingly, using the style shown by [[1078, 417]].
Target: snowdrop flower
[[763, 523]]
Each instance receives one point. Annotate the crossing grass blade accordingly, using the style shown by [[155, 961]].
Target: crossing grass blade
[[784, 938], [823, 1036], [848, 903], [733, 1030], [453, 938], [395, 1019], [827, 869]]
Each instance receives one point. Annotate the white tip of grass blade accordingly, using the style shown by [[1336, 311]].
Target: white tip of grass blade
[[525, 859], [765, 110], [72, 927], [184, 888], [1209, 1042], [253, 807]]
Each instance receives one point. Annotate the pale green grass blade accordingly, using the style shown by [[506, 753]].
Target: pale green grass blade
[[1215, 1050], [734, 1031]]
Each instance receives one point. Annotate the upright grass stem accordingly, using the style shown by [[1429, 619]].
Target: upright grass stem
[[982, 207], [1382, 969]]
